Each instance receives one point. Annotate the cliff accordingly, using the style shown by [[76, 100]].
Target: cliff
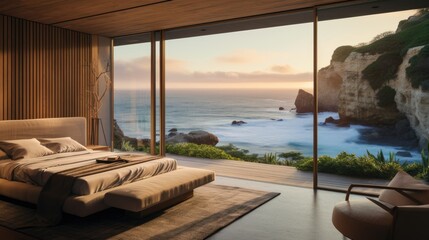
[[384, 81], [358, 102]]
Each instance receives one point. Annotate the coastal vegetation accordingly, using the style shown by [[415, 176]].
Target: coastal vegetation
[[369, 165], [418, 71], [382, 70]]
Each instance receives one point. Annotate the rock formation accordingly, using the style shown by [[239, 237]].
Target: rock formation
[[119, 137], [357, 101], [238, 123], [197, 137], [304, 102]]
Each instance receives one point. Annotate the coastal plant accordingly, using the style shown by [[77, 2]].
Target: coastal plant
[[198, 150], [270, 158], [240, 153], [412, 34], [127, 147], [382, 70], [413, 168], [292, 155], [341, 53], [291, 158], [418, 71], [358, 166]]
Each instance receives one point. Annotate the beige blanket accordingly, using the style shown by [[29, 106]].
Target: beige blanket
[[59, 185], [37, 171]]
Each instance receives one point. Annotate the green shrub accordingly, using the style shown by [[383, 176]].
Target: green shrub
[[195, 150], [413, 34], [368, 165], [269, 158], [412, 168], [382, 70], [127, 147], [418, 71], [305, 164], [292, 155], [238, 152], [341, 53], [386, 97]]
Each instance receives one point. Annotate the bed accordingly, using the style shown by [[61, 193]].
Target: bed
[[24, 179]]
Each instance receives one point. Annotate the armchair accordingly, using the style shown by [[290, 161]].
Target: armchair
[[401, 212]]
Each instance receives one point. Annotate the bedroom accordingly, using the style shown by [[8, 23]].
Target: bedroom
[[57, 68]]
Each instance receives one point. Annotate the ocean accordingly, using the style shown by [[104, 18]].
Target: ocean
[[267, 129]]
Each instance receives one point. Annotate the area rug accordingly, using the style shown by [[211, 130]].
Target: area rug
[[212, 208]]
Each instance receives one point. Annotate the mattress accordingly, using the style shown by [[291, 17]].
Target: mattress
[[36, 171]]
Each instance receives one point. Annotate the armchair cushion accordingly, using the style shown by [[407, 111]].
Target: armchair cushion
[[362, 220], [402, 179]]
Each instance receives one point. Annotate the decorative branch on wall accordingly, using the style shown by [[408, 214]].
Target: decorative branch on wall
[[99, 79], [97, 94]]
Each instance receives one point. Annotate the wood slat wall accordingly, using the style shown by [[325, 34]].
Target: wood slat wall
[[44, 71]]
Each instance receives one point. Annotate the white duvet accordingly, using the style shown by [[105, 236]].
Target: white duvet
[[37, 171]]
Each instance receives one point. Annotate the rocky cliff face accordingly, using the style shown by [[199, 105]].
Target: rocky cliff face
[[413, 103], [341, 84]]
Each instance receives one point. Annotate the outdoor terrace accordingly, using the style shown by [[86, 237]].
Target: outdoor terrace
[[277, 174]]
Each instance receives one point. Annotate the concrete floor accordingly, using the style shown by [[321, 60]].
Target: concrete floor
[[297, 214]]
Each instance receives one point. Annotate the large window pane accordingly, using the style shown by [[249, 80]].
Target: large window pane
[[132, 97], [371, 107]]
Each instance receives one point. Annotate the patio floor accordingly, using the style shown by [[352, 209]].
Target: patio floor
[[275, 174]]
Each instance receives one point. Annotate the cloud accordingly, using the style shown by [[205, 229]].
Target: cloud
[[282, 68], [136, 74], [242, 56]]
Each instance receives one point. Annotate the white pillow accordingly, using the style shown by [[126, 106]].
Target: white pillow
[[60, 145], [24, 148], [403, 180]]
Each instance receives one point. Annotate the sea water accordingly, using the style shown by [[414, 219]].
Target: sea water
[[267, 129]]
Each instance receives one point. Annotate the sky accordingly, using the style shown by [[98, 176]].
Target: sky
[[279, 57]]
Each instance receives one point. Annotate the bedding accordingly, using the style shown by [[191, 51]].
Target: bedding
[[63, 144], [3, 155], [37, 171], [24, 148]]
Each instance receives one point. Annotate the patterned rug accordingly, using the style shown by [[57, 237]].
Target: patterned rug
[[212, 208]]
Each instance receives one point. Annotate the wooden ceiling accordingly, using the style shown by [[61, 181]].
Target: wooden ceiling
[[113, 18]]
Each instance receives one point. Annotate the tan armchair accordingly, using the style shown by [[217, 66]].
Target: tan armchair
[[401, 212]]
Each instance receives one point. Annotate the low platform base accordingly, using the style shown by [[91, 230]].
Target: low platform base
[[161, 206]]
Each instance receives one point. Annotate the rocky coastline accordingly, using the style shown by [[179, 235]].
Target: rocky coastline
[[197, 137], [345, 88]]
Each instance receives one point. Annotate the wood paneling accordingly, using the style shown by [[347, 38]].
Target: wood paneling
[[117, 18], [44, 71], [179, 13], [53, 11]]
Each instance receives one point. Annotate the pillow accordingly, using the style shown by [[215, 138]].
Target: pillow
[[402, 179], [3, 155], [24, 148], [60, 145]]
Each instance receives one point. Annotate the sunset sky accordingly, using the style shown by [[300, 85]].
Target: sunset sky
[[279, 57]]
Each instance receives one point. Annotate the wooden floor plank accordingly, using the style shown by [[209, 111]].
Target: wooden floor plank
[[284, 175]]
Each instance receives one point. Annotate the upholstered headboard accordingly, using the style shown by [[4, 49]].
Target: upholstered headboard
[[74, 127]]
